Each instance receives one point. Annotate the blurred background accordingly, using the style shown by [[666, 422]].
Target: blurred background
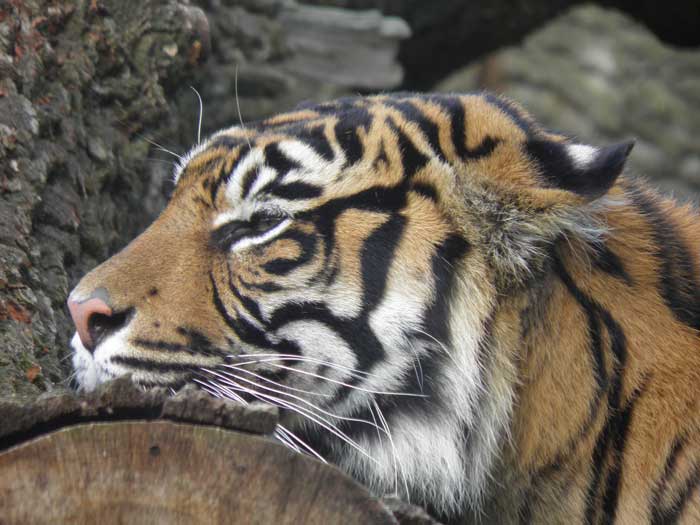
[[88, 88]]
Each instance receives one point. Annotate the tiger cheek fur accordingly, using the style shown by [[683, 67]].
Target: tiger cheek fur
[[443, 298]]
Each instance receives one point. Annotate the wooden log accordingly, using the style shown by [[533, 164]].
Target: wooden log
[[164, 472]]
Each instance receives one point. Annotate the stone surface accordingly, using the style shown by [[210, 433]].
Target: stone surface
[[269, 56], [602, 77], [448, 34], [345, 48]]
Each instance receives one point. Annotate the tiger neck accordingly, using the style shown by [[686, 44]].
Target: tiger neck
[[585, 340]]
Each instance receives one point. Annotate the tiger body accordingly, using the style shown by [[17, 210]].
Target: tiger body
[[504, 327]]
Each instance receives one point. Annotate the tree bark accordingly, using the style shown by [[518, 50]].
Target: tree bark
[[83, 85]]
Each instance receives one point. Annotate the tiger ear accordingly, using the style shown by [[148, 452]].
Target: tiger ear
[[585, 170]]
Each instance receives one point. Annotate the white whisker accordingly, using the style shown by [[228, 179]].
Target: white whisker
[[366, 390], [238, 107], [213, 389], [161, 148], [201, 113], [286, 436], [301, 442], [333, 429], [297, 398], [398, 466], [417, 369], [293, 357], [286, 441], [268, 380], [272, 360]]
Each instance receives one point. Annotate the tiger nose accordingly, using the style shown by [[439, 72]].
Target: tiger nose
[[88, 316]]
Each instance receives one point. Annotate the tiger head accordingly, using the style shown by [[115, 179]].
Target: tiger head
[[344, 262]]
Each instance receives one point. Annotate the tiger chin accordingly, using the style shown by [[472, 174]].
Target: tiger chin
[[448, 301]]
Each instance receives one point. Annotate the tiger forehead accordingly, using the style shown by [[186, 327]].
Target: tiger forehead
[[320, 132]]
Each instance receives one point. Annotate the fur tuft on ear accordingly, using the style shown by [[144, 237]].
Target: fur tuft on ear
[[585, 170]]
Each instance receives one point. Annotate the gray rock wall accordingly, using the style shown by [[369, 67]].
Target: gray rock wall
[[600, 76], [278, 53]]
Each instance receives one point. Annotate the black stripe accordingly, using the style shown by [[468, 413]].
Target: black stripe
[[200, 343], [456, 111], [268, 286], [316, 138], [249, 179], [377, 255], [213, 167], [278, 160], [295, 191], [249, 304], [226, 141], [678, 282], [607, 261], [334, 106], [245, 331], [620, 424], [664, 514], [424, 377], [426, 190], [674, 513], [154, 366], [248, 333], [308, 249], [412, 160], [509, 109], [594, 333], [346, 133], [219, 180], [430, 130], [612, 437], [197, 344], [376, 199], [437, 316], [356, 333]]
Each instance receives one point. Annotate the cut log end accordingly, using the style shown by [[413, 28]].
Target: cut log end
[[166, 472]]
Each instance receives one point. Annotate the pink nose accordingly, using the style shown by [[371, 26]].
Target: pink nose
[[81, 312]]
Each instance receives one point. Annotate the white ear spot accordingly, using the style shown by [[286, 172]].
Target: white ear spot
[[582, 154]]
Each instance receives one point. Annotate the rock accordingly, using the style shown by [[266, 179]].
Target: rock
[[269, 56], [602, 77], [447, 34], [337, 46]]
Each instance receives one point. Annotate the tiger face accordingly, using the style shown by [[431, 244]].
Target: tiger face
[[343, 262]]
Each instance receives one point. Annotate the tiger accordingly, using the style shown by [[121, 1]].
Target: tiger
[[447, 300]]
